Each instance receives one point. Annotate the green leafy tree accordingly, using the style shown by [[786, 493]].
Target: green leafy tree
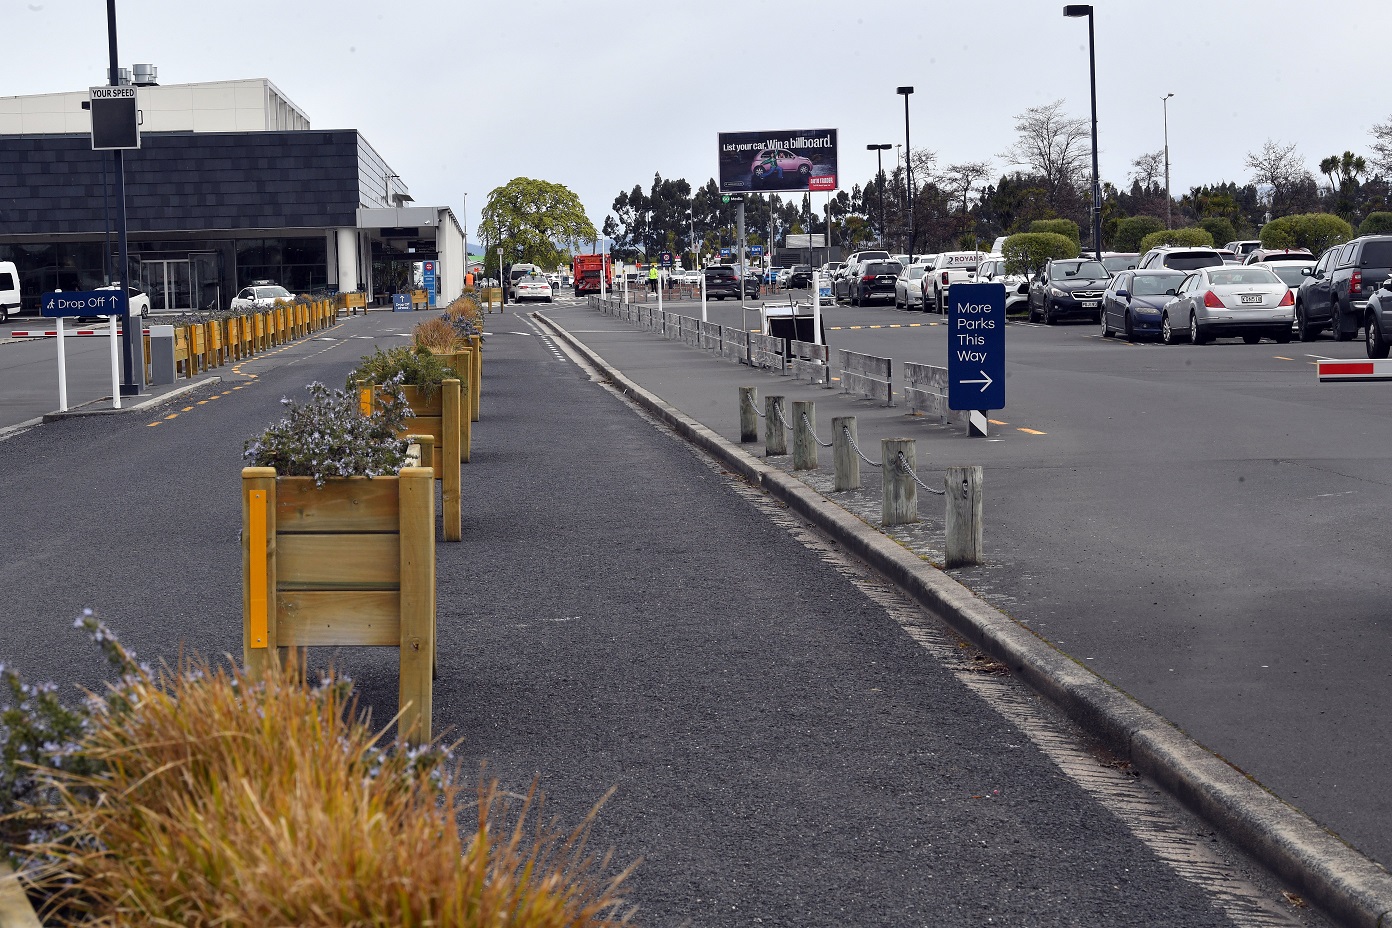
[[534, 221], [1193, 237], [1064, 227], [1378, 223], [1028, 252], [1312, 231], [1131, 230], [1220, 227]]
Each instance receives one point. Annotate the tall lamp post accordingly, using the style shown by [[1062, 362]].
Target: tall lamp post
[[908, 164], [1078, 10], [879, 160], [1165, 102]]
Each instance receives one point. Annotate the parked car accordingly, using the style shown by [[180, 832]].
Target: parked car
[[1243, 247], [992, 271], [1229, 257], [799, 277], [1377, 321], [9, 290], [908, 287], [949, 267], [532, 287], [1314, 300], [1265, 255], [1215, 302], [1117, 261], [1179, 258], [1360, 268], [138, 300], [1292, 273], [516, 273], [1068, 287], [722, 283], [1134, 300], [262, 294], [841, 283], [873, 280]]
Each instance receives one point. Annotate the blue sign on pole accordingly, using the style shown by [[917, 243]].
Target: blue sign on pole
[[724, 252], [428, 280], [756, 250], [666, 259], [84, 303], [976, 346], [401, 302]]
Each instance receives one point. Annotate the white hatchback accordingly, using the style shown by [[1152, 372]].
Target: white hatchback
[[260, 296]]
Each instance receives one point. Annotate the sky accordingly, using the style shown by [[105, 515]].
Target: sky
[[460, 97]]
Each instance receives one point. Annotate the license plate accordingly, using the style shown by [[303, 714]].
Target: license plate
[[1089, 304], [1251, 298]]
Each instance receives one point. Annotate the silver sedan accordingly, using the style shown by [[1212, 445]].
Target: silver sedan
[[1214, 302]]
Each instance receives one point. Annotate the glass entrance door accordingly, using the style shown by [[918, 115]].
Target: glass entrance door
[[152, 282], [207, 292], [169, 284]]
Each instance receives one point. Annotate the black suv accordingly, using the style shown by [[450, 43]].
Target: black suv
[[1356, 272], [722, 282], [1068, 287], [873, 280]]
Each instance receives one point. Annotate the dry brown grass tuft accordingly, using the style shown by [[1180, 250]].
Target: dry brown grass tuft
[[436, 334], [237, 803], [466, 307]]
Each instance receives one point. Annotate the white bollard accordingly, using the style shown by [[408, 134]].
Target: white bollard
[[115, 362], [62, 369]]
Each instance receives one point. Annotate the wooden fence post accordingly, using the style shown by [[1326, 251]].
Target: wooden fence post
[[804, 435], [775, 438], [259, 653], [963, 518], [899, 504], [476, 388], [450, 477], [844, 458], [468, 358], [749, 414], [417, 514]]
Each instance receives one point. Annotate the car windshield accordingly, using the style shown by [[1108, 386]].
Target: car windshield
[[871, 255], [916, 272], [535, 279], [883, 267], [1119, 262], [272, 293], [1193, 260], [1291, 274], [1154, 284], [1376, 254], [713, 272], [1246, 277], [1085, 269]]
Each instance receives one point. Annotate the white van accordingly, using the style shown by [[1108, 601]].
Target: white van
[[9, 290]]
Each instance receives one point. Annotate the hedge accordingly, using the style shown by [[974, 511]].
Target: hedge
[[1065, 227], [1221, 228], [1132, 229], [1376, 224], [1191, 237], [1028, 252], [1312, 231]]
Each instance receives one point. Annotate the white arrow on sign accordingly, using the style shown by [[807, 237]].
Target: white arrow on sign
[[984, 383]]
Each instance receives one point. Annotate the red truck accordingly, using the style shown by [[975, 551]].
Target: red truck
[[587, 271]]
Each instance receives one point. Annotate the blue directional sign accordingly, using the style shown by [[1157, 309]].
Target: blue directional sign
[[756, 251], [976, 346], [724, 252], [401, 302], [83, 303], [428, 281]]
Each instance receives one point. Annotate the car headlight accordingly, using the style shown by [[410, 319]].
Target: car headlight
[[1146, 310], [1057, 292]]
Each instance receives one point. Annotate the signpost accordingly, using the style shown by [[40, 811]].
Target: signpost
[[401, 302], [976, 351], [725, 252], [113, 304], [756, 251], [666, 259], [428, 278]]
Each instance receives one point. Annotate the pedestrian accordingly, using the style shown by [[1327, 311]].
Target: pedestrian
[[652, 278]]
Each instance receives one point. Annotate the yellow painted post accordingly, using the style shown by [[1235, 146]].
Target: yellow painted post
[[417, 527], [259, 569], [451, 492], [477, 342]]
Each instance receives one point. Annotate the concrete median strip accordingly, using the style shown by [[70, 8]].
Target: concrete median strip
[[1344, 882]]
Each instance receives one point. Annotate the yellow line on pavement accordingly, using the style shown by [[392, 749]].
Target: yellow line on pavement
[[997, 422], [1280, 357], [1031, 431]]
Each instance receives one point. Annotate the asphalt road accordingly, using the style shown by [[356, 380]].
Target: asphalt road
[[29, 369], [622, 613], [1200, 525]]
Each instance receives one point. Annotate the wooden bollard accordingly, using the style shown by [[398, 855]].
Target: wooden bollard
[[963, 519], [425, 446], [749, 414], [775, 437], [899, 505], [804, 435], [844, 458]]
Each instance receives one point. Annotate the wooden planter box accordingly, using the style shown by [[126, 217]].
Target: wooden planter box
[[348, 563], [442, 420]]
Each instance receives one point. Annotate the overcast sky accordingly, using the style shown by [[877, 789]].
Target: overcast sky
[[461, 97]]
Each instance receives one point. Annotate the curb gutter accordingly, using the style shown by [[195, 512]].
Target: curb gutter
[[1344, 882]]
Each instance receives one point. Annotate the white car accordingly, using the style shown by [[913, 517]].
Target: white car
[[908, 288], [992, 271], [261, 295], [949, 267], [532, 287], [139, 303]]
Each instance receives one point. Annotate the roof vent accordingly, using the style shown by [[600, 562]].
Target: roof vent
[[145, 75]]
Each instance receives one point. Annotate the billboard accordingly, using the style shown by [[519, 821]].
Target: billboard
[[775, 162]]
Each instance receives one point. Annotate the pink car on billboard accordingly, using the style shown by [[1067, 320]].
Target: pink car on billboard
[[796, 159], [781, 163]]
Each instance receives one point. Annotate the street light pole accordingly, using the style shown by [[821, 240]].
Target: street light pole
[[1165, 102], [908, 165], [1077, 10], [879, 160]]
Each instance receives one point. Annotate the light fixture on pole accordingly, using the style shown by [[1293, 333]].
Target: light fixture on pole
[[1076, 10], [879, 160], [908, 165], [1165, 102]]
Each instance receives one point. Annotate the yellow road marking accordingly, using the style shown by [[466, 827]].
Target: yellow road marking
[[997, 422], [211, 398], [1279, 357], [172, 415], [153, 424], [1031, 431], [187, 409]]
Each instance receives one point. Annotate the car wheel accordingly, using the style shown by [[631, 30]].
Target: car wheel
[[897, 304], [1303, 330], [1281, 336], [1130, 332], [1033, 316], [1049, 317], [1337, 326], [1197, 336], [1106, 326], [1251, 339], [1168, 335], [1374, 340]]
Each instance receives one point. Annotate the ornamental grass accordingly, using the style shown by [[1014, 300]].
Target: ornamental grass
[[223, 800], [436, 334]]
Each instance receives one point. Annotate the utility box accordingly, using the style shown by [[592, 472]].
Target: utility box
[[791, 321], [162, 365]]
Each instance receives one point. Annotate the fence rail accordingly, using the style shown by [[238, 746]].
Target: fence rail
[[925, 391], [810, 360], [866, 375]]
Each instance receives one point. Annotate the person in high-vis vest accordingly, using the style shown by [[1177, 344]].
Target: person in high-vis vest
[[652, 278]]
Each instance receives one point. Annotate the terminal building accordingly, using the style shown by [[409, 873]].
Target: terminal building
[[230, 185]]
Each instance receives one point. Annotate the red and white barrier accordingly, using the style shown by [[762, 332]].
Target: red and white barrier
[[1331, 371], [51, 333]]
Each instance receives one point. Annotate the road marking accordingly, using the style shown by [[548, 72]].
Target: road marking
[[153, 424], [1280, 357], [172, 415], [997, 422], [894, 325], [187, 409], [1031, 431]]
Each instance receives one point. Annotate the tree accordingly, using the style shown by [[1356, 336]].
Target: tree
[[1312, 231], [1028, 252], [1281, 168], [1130, 231], [1054, 146], [1148, 170], [1343, 170], [1065, 227], [1376, 223], [535, 221], [1382, 146], [1220, 227], [1193, 237], [958, 180]]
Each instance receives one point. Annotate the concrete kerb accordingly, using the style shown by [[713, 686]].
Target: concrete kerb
[[1343, 881], [94, 407]]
